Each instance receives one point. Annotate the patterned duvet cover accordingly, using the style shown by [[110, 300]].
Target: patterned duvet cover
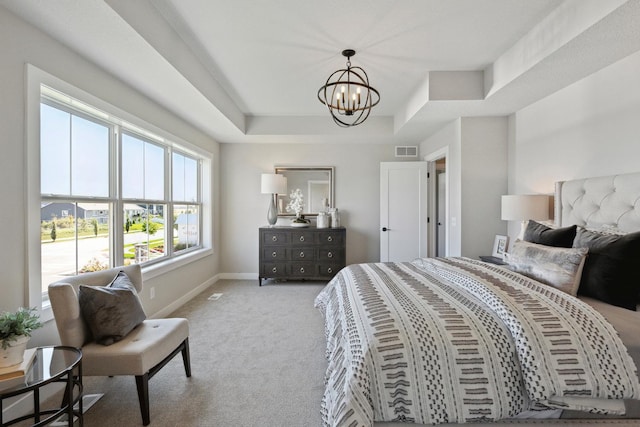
[[452, 340]]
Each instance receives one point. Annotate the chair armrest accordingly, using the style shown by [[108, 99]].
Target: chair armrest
[[66, 310]]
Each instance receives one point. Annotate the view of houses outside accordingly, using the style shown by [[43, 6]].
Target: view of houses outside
[[83, 240], [78, 236]]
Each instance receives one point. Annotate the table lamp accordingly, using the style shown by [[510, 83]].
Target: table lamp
[[523, 207], [274, 184]]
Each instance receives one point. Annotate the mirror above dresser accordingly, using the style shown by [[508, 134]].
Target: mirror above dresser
[[316, 184]]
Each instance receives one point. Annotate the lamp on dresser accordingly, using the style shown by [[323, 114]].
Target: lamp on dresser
[[274, 184]]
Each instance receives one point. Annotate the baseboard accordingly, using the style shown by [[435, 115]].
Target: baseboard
[[237, 276], [166, 311]]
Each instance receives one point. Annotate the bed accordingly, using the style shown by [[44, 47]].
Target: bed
[[457, 340]]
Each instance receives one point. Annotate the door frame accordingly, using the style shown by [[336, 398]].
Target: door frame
[[442, 153]]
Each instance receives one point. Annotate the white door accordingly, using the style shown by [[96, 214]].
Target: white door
[[403, 211]]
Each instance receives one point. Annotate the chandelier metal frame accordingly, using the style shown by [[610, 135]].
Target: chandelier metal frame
[[348, 95]]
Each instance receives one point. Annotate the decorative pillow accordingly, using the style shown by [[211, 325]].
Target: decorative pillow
[[112, 311], [544, 235], [558, 267], [611, 273]]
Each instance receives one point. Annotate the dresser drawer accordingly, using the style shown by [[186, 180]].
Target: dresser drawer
[[274, 253], [303, 238], [303, 254], [273, 269], [331, 238], [303, 269], [330, 254], [275, 237], [329, 270]]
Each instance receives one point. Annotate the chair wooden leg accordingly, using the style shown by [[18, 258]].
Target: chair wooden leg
[[186, 358], [142, 383]]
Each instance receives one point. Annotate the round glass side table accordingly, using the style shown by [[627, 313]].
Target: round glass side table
[[56, 364]]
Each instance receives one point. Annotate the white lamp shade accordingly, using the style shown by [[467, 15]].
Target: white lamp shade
[[522, 207], [273, 183]]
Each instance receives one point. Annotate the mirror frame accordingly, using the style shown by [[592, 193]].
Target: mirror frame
[[330, 169]]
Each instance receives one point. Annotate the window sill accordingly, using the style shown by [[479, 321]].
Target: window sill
[[155, 270]]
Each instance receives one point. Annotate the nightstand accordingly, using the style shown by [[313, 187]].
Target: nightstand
[[492, 259]]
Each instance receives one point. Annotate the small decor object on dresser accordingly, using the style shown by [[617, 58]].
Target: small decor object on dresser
[[322, 220], [301, 254], [297, 205]]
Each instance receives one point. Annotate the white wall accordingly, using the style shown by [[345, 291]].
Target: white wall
[[20, 44], [484, 181], [477, 175], [244, 208], [591, 128], [450, 137]]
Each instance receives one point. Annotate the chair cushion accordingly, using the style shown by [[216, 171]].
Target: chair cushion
[[146, 346], [112, 311]]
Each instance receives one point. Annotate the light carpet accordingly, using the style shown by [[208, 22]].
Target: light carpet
[[257, 359]]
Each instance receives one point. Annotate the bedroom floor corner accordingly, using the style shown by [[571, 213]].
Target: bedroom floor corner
[[257, 356]]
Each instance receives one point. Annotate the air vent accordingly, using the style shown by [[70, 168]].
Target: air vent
[[406, 151]]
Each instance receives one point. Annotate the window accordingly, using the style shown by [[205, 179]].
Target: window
[[100, 174]]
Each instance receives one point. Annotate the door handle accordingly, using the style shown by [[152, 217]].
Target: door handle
[[384, 228]]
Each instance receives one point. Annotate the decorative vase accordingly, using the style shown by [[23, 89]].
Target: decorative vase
[[13, 354], [272, 213]]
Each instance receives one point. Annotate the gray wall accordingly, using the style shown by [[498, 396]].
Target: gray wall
[[588, 129], [21, 44], [477, 175], [244, 208]]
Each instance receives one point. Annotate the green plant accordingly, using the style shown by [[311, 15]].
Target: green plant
[[54, 234], [18, 323], [150, 227]]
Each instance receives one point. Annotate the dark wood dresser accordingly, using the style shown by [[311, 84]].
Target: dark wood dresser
[[301, 253]]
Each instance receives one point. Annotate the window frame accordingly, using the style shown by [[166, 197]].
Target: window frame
[[87, 104]]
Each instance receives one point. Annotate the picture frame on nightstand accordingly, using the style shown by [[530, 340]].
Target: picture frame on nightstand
[[500, 245]]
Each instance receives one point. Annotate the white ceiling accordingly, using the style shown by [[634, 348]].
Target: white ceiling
[[249, 70]]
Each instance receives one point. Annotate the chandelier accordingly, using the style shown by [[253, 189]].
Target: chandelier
[[348, 95]]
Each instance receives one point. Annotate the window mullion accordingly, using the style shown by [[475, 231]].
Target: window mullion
[[168, 196], [115, 192]]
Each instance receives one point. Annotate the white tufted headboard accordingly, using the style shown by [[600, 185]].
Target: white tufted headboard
[[608, 202]]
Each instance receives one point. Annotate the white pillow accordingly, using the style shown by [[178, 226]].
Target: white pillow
[[558, 267]]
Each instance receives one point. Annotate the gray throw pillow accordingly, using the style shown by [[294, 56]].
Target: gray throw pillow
[[111, 311], [558, 267]]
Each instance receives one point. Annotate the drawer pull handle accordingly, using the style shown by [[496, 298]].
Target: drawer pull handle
[[301, 269], [274, 254], [330, 254], [301, 254], [274, 238], [330, 239], [329, 270], [274, 270], [302, 238]]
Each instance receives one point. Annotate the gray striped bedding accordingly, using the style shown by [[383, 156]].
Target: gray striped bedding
[[452, 340]]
